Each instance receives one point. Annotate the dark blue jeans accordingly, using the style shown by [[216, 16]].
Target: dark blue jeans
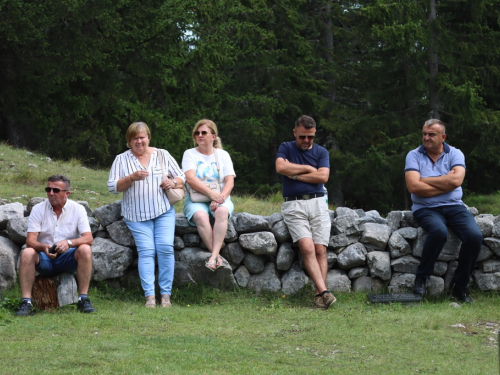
[[435, 222]]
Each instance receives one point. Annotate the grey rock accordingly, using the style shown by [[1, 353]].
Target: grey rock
[[394, 220], [365, 284], [9, 254], [254, 263], [473, 210], [408, 233], [494, 244], [245, 222], [85, 204], [109, 213], [348, 225], [10, 211], [379, 263], [342, 211], [279, 228], [353, 256], [405, 264], [109, 259], [337, 281], [484, 254], [67, 291], [294, 280], [119, 232], [266, 281], [339, 241], [496, 219], [486, 281], [357, 272], [401, 283], [259, 243], [242, 276], [231, 233], [33, 202], [485, 225], [495, 231], [194, 259], [376, 235], [331, 258], [408, 220], [178, 243], [440, 268], [452, 266], [18, 230], [182, 275], [274, 219], [359, 211], [285, 256], [373, 217], [234, 254], [182, 225], [398, 246], [94, 226], [191, 239], [434, 286], [490, 266]]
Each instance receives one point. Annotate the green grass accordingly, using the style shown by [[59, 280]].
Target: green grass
[[236, 332]]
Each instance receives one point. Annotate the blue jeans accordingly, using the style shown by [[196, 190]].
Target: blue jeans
[[460, 220], [64, 262], [155, 238]]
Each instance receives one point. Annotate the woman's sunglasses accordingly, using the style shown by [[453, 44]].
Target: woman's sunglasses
[[197, 133]]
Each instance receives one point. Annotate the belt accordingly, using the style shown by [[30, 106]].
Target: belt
[[304, 197]]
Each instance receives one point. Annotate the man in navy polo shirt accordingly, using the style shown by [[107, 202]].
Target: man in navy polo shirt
[[434, 174], [305, 167]]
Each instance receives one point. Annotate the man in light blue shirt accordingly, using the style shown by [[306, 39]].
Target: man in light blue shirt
[[434, 175]]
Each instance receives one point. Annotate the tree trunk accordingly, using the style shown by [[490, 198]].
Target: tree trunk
[[54, 291], [433, 64]]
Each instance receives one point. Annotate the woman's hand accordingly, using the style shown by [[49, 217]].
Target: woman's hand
[[218, 198], [139, 175], [213, 206], [168, 184]]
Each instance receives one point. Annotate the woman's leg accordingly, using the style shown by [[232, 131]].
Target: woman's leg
[[220, 228], [143, 232], [202, 222], [164, 241]]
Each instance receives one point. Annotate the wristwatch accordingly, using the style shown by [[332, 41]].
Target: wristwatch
[[175, 182], [70, 243]]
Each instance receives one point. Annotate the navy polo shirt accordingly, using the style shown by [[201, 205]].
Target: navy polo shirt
[[418, 160]]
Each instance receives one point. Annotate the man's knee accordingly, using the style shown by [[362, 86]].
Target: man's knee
[[29, 255], [83, 252]]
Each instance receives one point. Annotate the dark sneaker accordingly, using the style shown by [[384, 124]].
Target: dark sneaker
[[461, 294], [85, 306], [328, 299], [25, 309], [318, 302], [419, 287]]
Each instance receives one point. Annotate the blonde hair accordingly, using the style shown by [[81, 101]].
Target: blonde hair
[[134, 129], [213, 129]]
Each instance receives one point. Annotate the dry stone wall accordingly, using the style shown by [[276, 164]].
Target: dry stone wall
[[366, 252]]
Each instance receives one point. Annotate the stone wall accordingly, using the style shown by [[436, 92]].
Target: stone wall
[[366, 253]]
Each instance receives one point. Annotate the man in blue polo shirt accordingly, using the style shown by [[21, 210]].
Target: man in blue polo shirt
[[305, 167], [434, 174]]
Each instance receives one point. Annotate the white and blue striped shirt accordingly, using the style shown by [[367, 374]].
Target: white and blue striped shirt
[[144, 199]]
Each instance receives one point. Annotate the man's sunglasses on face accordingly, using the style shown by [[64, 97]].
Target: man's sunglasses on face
[[55, 190], [307, 136]]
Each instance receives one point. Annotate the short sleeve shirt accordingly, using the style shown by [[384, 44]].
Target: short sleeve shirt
[[418, 160], [72, 222], [316, 157]]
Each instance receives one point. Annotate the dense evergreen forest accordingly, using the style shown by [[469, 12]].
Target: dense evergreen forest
[[75, 73]]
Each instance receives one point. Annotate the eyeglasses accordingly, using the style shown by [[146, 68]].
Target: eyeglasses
[[203, 132], [56, 190], [307, 136]]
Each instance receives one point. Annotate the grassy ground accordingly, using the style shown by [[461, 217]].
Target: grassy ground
[[215, 332]]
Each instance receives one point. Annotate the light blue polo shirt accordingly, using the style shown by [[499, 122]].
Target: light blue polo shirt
[[418, 160]]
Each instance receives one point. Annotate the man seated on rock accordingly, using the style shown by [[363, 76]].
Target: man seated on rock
[[64, 223], [434, 174]]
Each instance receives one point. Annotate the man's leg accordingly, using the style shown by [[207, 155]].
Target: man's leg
[[465, 227], [433, 222], [315, 266], [29, 260], [83, 258]]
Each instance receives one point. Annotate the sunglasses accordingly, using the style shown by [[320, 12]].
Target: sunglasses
[[197, 133], [307, 136], [55, 190]]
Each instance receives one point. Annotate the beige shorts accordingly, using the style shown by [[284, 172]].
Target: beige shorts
[[308, 219]]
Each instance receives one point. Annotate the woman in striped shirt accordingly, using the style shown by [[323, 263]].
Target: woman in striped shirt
[[145, 208]]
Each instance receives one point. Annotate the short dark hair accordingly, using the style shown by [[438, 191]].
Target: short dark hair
[[306, 122], [433, 121], [60, 177]]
